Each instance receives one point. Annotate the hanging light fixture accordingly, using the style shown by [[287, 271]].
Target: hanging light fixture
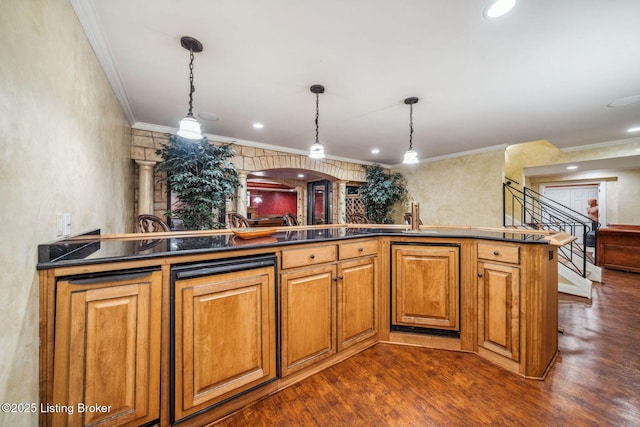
[[189, 126], [411, 156], [317, 150]]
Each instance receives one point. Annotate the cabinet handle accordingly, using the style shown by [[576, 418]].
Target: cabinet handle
[[312, 256], [496, 253], [479, 274]]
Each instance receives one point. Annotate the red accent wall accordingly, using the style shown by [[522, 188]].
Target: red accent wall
[[277, 203]]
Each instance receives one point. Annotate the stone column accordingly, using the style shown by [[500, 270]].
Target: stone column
[[342, 202], [145, 187], [301, 206], [241, 202]]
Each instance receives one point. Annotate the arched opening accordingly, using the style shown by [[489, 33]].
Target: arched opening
[[273, 193]]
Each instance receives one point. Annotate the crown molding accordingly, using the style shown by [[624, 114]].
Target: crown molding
[[86, 13], [606, 144]]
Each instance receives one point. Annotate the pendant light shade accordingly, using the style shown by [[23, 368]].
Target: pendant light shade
[[189, 126], [411, 156], [317, 150]]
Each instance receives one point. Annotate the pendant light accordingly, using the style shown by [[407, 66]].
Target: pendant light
[[411, 156], [317, 150], [189, 126]]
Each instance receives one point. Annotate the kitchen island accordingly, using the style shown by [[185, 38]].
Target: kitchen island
[[185, 328]]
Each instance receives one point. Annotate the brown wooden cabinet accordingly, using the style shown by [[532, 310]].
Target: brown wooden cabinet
[[357, 310], [619, 247], [425, 287], [517, 306], [327, 307], [225, 336], [499, 309], [308, 317], [498, 304], [107, 350]]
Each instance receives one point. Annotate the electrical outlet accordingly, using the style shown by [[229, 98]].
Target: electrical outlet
[[67, 224], [59, 225]]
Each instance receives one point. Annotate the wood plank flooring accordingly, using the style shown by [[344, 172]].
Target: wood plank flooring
[[594, 382]]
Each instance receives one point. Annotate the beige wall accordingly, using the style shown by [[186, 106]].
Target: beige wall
[[64, 148], [458, 191]]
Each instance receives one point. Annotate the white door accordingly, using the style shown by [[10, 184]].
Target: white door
[[575, 198]]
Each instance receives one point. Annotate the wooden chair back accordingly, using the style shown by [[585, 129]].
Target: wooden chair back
[[357, 218], [150, 224], [290, 220], [236, 220]]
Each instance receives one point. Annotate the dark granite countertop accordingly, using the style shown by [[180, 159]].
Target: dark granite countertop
[[90, 248]]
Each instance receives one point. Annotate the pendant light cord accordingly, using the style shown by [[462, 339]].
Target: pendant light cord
[[191, 88], [410, 126], [317, 115]]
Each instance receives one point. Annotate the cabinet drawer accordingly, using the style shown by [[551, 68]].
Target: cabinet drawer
[[359, 248], [309, 256], [502, 253]]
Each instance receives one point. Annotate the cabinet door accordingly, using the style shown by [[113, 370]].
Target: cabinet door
[[499, 309], [224, 336], [308, 317], [356, 301], [425, 287], [107, 350]]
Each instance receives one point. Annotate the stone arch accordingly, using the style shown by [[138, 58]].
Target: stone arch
[[252, 159]]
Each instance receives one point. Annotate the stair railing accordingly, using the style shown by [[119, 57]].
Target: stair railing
[[530, 209]]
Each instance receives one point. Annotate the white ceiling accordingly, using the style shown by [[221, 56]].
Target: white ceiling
[[545, 71]]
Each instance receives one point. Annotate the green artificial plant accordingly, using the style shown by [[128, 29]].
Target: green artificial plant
[[380, 192], [202, 177]]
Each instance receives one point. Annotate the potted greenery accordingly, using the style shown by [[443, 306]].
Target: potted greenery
[[202, 177], [380, 192]]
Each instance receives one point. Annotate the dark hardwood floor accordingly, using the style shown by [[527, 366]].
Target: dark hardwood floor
[[594, 382]]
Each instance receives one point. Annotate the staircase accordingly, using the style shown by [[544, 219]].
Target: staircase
[[576, 261]]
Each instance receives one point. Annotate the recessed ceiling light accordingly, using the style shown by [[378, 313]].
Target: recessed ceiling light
[[208, 116], [499, 8], [634, 129], [572, 167], [258, 125], [623, 102], [300, 175], [375, 150]]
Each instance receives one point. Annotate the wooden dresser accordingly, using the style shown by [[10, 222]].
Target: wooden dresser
[[618, 247]]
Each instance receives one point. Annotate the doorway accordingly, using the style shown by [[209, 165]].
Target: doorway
[[575, 197], [319, 202]]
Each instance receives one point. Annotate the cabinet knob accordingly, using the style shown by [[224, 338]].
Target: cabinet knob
[[312, 256], [496, 253], [340, 277], [360, 249], [479, 274]]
